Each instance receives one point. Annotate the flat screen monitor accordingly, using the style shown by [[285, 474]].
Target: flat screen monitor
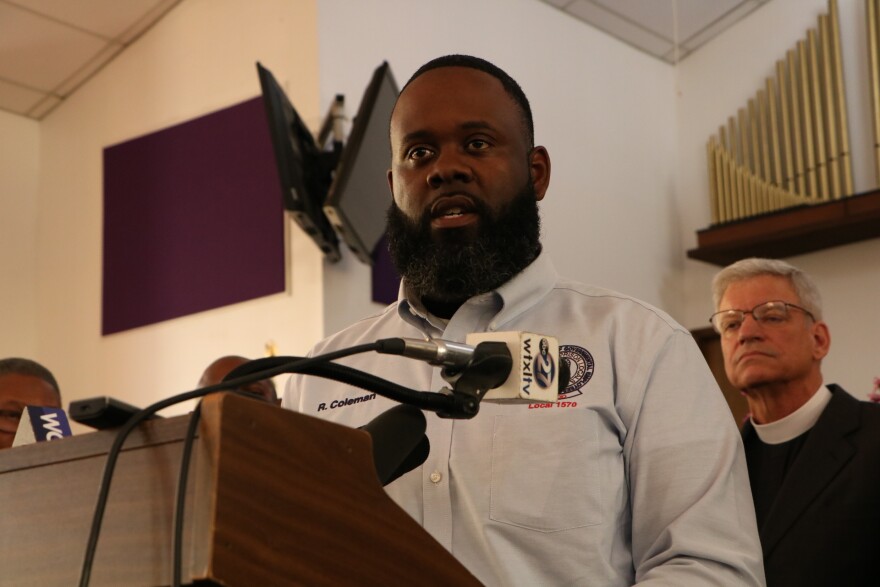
[[359, 195], [304, 169]]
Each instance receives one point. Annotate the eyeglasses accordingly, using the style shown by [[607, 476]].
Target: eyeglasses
[[727, 322]]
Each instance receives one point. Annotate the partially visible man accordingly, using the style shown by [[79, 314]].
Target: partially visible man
[[216, 371], [813, 450], [637, 474], [23, 383]]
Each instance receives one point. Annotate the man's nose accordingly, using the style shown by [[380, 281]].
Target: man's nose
[[750, 327], [449, 166]]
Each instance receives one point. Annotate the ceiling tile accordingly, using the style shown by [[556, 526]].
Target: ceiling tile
[[86, 71], [715, 28], [147, 20], [39, 53], [659, 15], [619, 27], [696, 15], [17, 99], [107, 18], [653, 15]]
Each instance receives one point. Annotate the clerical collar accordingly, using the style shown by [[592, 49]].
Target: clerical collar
[[796, 423]]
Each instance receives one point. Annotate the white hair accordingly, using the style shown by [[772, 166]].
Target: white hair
[[803, 284]]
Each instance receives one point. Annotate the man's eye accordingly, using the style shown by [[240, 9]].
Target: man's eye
[[730, 325], [478, 144], [418, 153]]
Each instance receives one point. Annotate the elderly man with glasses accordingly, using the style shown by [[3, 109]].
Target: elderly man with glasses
[[813, 451]]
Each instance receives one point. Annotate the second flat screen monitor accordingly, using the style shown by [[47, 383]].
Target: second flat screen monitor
[[359, 196]]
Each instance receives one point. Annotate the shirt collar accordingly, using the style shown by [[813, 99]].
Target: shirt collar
[[796, 423], [514, 297]]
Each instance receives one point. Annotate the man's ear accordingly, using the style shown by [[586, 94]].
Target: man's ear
[[821, 340], [539, 168], [390, 176]]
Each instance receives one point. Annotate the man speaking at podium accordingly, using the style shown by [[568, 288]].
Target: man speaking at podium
[[637, 474]]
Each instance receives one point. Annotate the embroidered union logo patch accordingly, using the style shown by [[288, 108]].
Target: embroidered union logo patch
[[580, 365]]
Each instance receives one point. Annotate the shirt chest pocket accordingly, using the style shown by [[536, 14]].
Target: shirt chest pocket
[[541, 464]]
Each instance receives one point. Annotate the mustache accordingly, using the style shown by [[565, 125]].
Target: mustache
[[737, 357]]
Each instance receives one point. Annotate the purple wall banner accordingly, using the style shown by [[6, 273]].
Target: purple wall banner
[[193, 219]]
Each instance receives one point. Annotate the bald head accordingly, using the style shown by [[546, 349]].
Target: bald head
[[220, 368]]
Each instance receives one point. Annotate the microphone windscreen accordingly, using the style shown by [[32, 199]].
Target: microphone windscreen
[[415, 459], [396, 434], [538, 374]]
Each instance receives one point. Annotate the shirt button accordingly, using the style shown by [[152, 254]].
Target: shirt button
[[436, 477]]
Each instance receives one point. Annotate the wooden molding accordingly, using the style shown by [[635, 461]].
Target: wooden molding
[[792, 231]]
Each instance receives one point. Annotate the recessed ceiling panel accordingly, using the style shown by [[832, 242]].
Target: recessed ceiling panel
[[654, 15], [107, 18], [38, 53], [715, 28], [86, 71], [623, 29], [656, 26], [696, 15]]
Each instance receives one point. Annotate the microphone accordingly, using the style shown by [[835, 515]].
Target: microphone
[[39, 423], [538, 375], [399, 441], [443, 353]]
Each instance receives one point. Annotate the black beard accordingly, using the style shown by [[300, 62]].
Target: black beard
[[458, 265]]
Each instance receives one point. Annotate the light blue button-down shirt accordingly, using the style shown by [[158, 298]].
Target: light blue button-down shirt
[[636, 475]]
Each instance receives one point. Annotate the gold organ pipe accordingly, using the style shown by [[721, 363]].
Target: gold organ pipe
[[725, 184], [874, 59], [800, 180], [734, 188], [807, 120], [734, 142], [753, 193], [786, 126], [713, 186], [843, 120], [763, 126], [734, 196], [775, 157], [790, 144], [753, 132], [749, 192], [818, 128], [719, 188], [763, 195], [743, 138], [829, 112]]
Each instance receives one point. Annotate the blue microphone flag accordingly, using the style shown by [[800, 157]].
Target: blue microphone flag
[[40, 423]]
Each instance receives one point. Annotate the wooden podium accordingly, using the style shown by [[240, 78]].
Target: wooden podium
[[274, 498]]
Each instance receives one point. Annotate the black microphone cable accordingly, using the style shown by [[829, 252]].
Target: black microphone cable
[[137, 418], [321, 366]]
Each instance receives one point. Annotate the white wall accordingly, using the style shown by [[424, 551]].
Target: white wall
[[198, 59], [604, 110], [19, 176], [715, 81]]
